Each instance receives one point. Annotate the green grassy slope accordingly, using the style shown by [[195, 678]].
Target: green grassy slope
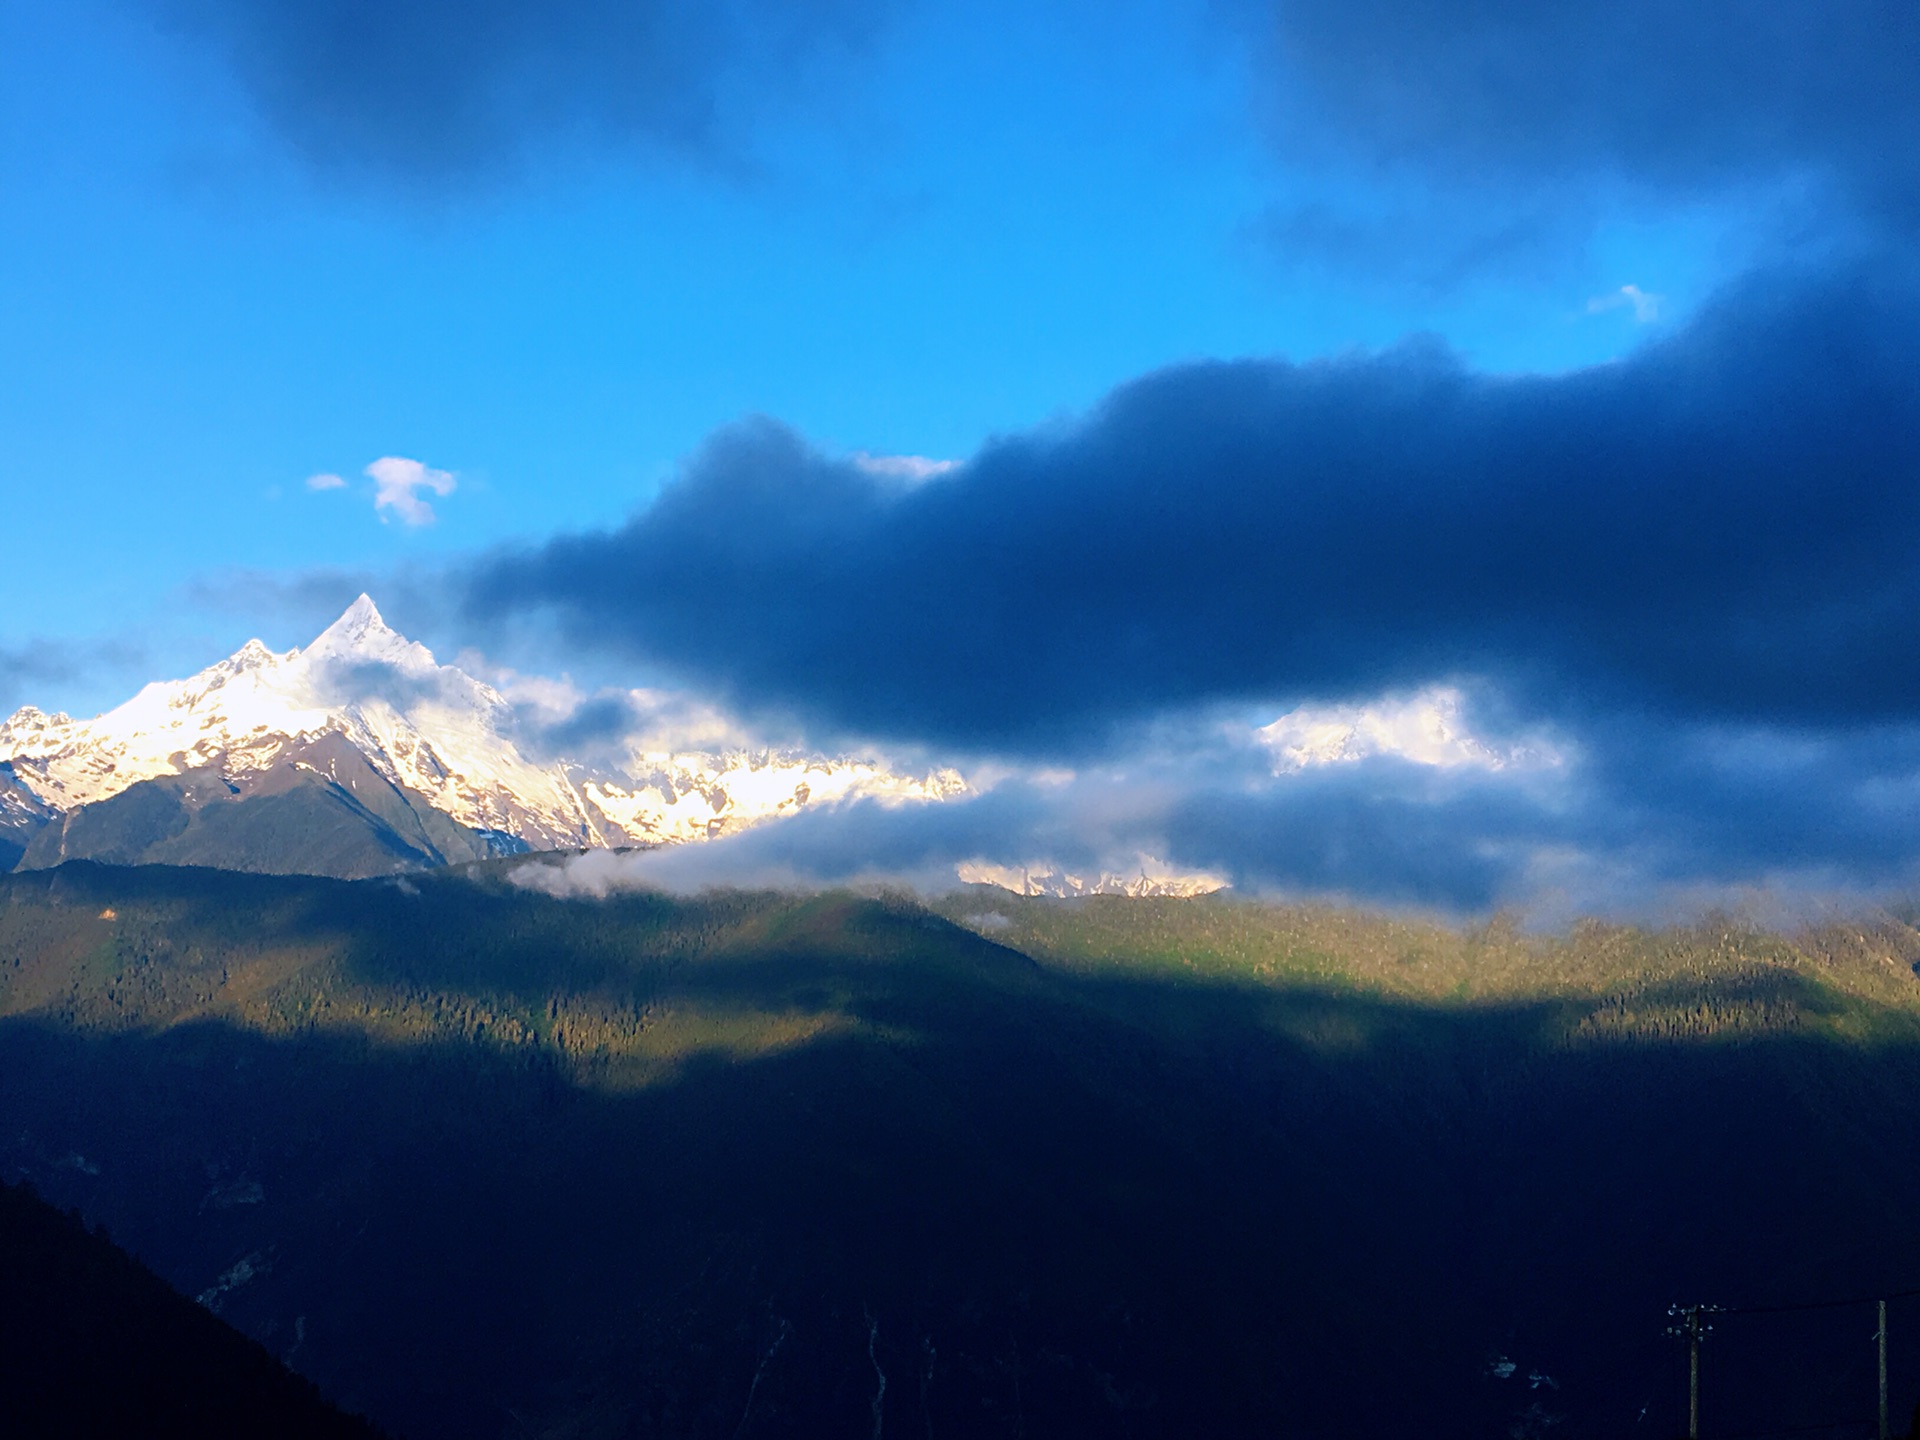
[[483, 1162]]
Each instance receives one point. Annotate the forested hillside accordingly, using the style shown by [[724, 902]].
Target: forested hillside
[[483, 1162]]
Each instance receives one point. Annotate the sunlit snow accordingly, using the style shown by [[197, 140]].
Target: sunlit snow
[[1428, 727], [431, 729]]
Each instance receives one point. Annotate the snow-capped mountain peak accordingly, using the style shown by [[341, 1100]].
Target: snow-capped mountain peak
[[440, 738], [362, 635]]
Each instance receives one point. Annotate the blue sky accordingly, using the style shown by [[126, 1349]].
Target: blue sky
[[1295, 354], [991, 217]]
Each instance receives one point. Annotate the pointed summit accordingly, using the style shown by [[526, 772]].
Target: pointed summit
[[362, 617], [361, 634]]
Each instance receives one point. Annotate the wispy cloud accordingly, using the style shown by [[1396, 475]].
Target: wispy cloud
[[26, 668], [438, 92], [1509, 106], [325, 481], [1646, 307], [397, 485]]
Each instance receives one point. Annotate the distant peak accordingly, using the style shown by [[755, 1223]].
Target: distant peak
[[362, 614], [361, 635], [357, 625]]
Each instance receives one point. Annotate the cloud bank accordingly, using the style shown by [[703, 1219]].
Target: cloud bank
[[1723, 527], [1379, 625], [1639, 822]]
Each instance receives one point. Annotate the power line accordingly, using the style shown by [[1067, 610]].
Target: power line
[[1818, 1304], [1694, 1328]]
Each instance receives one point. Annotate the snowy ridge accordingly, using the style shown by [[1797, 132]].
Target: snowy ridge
[[428, 729], [1151, 878], [697, 796]]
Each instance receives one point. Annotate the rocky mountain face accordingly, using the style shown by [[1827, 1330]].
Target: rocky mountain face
[[22, 815], [361, 755]]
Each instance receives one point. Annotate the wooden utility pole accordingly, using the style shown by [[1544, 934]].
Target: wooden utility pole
[[1693, 1373], [1692, 1329], [1881, 1336]]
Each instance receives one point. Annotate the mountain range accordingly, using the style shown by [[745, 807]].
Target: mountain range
[[361, 755]]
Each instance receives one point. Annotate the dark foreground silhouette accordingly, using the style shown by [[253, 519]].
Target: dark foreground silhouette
[[95, 1344]]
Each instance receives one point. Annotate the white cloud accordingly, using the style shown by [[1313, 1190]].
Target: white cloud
[[325, 482], [910, 468], [1646, 307], [1427, 727], [397, 486]]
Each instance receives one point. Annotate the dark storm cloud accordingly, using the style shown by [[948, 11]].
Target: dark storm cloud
[[1638, 820], [601, 729], [1641, 811], [1723, 802], [443, 89], [354, 681], [596, 721], [1724, 526], [1385, 831], [1689, 96]]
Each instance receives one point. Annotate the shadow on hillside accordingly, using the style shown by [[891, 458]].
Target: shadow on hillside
[[1035, 1204]]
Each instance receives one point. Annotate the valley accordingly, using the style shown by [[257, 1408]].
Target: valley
[[484, 1162]]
